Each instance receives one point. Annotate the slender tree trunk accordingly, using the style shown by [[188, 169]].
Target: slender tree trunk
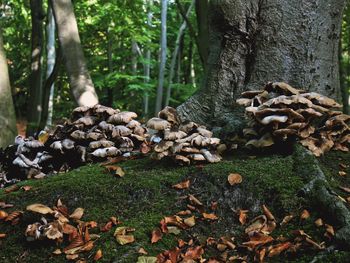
[[179, 61], [202, 12], [147, 65], [110, 67], [175, 54], [342, 78], [35, 88], [51, 59], [8, 129], [134, 55], [163, 47], [189, 62], [253, 42], [76, 67]]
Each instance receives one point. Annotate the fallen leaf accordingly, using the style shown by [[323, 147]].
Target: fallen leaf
[[329, 231], [278, 249], [57, 251], [115, 170], [142, 251], [234, 179], [3, 214], [319, 222], [174, 230], [72, 256], [98, 255], [268, 213], [77, 242], [39, 208], [210, 216], [243, 215], [304, 215], [286, 219], [182, 185], [194, 253], [314, 244], [144, 259], [156, 235], [256, 224], [108, 226], [184, 213], [26, 188], [2, 235], [257, 239], [214, 205], [114, 220], [77, 214], [190, 221], [11, 188], [261, 254], [125, 239], [343, 166], [123, 230], [181, 243], [194, 200], [3, 205], [345, 189], [301, 233], [342, 173], [13, 217]]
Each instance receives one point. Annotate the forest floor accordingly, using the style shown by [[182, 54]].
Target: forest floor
[[144, 195]]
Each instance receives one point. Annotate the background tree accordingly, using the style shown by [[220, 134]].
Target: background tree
[[7, 113]]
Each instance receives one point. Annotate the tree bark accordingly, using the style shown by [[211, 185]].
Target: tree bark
[[163, 47], [8, 129], [253, 42], [202, 11], [79, 77], [35, 91]]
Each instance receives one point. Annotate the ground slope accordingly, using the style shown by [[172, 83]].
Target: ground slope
[[144, 195]]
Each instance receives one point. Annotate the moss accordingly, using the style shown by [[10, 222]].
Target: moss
[[144, 195]]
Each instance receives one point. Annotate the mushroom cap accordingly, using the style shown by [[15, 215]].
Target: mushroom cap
[[210, 157], [125, 142], [68, 144], [86, 121], [100, 109], [33, 144], [204, 132], [284, 133], [81, 109], [182, 160], [274, 119], [288, 100], [282, 88], [106, 152], [244, 102], [188, 126], [163, 146], [173, 134], [101, 143], [321, 100], [78, 135], [133, 124], [190, 150], [309, 112], [106, 126], [158, 124], [94, 136], [123, 117], [265, 141], [120, 131], [169, 114], [250, 94], [292, 114], [196, 157], [140, 130]]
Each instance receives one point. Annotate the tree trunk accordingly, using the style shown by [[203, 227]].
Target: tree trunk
[[8, 129], [110, 67], [253, 42], [147, 65], [175, 54], [79, 78], [202, 11], [163, 47], [35, 87]]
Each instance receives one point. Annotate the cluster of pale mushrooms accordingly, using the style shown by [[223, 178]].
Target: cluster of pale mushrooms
[[184, 142], [92, 134], [280, 112]]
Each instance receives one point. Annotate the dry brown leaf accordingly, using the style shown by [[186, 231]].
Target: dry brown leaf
[[156, 235], [57, 251], [77, 242], [194, 200], [3, 214], [3, 205], [314, 244], [190, 221], [268, 213], [210, 216], [330, 230], [182, 185], [87, 247], [286, 219], [77, 214], [221, 247], [39, 208], [319, 222], [184, 213], [257, 239], [194, 253], [125, 239], [11, 188], [26, 188], [278, 249], [108, 226], [243, 215], [345, 189], [234, 178], [304, 215], [214, 205], [181, 243], [2, 235], [142, 251], [115, 170], [261, 255], [13, 216], [256, 224], [72, 256], [98, 255], [342, 173]]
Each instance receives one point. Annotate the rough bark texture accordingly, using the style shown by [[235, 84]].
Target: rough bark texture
[[8, 129], [253, 42], [79, 77], [35, 89]]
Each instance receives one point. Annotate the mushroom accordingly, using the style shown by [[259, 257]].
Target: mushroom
[[188, 126], [158, 124], [120, 131], [163, 146], [57, 145], [197, 157], [169, 114], [170, 134], [204, 132], [282, 87], [106, 152], [182, 160], [78, 135], [95, 136], [122, 117], [100, 109], [133, 124], [321, 100], [82, 151], [86, 121], [106, 126], [101, 143], [212, 158], [68, 144], [265, 141]]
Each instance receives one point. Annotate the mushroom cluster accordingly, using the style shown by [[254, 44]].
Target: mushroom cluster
[[183, 142], [279, 112], [92, 134]]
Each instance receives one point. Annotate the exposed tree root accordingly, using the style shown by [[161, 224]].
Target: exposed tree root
[[318, 191]]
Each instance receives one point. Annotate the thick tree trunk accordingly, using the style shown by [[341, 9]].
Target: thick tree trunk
[[79, 77], [35, 90], [163, 47], [253, 42], [8, 129]]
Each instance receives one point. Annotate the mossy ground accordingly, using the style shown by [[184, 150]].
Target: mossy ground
[[144, 195]]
